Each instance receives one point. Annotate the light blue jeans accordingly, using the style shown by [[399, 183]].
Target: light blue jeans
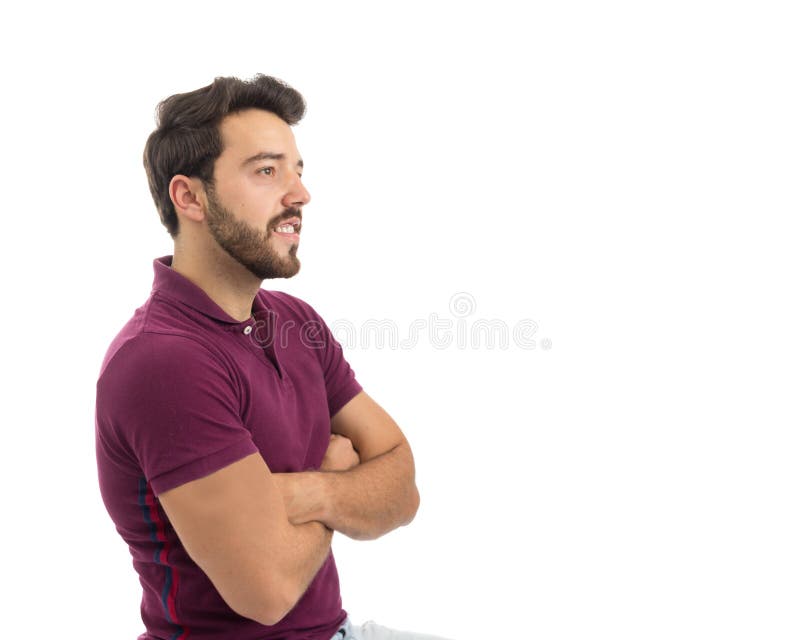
[[371, 631]]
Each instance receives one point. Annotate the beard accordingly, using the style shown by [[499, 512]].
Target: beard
[[248, 246]]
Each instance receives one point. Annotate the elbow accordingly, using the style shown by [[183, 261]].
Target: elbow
[[412, 499], [266, 600], [270, 601], [412, 505], [268, 617], [271, 616], [267, 611], [273, 608]]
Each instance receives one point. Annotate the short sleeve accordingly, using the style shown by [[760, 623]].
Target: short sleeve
[[340, 379], [173, 406]]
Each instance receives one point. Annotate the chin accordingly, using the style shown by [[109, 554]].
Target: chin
[[273, 274]]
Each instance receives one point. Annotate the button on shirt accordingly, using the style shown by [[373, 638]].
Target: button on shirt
[[185, 390]]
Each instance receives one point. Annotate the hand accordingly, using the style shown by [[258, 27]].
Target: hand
[[340, 455], [304, 493], [301, 495]]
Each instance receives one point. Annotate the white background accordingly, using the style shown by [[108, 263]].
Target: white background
[[625, 174]]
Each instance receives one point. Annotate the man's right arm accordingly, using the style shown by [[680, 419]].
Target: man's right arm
[[234, 525]]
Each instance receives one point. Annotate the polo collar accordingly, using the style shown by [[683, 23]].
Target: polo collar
[[168, 282]]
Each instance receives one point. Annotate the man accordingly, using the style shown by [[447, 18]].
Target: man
[[232, 435]]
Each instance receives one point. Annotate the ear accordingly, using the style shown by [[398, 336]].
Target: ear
[[188, 197]]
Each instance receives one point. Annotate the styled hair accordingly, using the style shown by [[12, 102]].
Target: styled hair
[[187, 140]]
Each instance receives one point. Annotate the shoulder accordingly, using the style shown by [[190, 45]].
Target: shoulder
[[155, 355], [154, 378], [157, 328], [289, 307], [314, 332], [288, 303]]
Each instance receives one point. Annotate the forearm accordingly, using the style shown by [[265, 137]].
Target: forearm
[[307, 547], [234, 525], [373, 498], [364, 502], [267, 592]]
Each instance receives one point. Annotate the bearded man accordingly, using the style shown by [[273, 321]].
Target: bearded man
[[232, 436]]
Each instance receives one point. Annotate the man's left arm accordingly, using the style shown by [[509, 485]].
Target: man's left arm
[[369, 499]]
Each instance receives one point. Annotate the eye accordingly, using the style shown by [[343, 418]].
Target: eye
[[267, 171]]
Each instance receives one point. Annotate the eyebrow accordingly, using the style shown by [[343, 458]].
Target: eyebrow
[[267, 155]]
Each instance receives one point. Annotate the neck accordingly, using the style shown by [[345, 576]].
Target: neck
[[223, 279]]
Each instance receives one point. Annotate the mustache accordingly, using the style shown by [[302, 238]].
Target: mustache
[[287, 214]]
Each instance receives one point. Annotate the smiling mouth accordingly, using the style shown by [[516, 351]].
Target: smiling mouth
[[289, 227]]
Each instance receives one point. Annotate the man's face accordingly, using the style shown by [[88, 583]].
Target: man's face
[[257, 190]]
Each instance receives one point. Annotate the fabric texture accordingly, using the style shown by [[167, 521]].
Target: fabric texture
[[185, 390]]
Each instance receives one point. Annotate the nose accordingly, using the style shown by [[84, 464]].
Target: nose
[[296, 195]]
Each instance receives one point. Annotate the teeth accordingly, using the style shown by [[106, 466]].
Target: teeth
[[286, 228]]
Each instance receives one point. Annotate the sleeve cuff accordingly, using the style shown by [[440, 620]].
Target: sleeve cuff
[[343, 396], [204, 466]]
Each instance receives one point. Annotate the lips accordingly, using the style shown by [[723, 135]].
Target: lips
[[294, 221]]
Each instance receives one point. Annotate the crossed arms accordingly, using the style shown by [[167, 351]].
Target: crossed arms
[[261, 537]]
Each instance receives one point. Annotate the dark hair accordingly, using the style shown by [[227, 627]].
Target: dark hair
[[187, 139]]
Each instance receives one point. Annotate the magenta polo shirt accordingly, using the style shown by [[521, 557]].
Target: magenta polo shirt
[[186, 390]]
